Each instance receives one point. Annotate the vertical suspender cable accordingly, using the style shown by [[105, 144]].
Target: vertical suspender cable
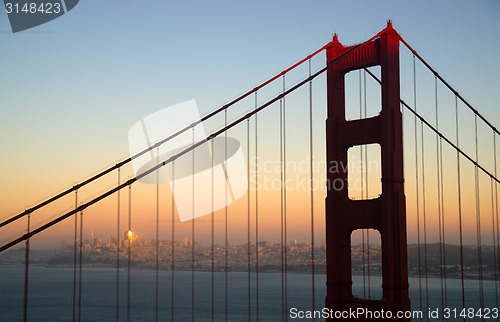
[[226, 246], [129, 248], [425, 219], [248, 213], [157, 249], [192, 233], [443, 223], [478, 221], [366, 189], [311, 188], [361, 147], [416, 184], [283, 313], [75, 257], [212, 253], [441, 264], [117, 251], [497, 235], [362, 186], [284, 201], [366, 192], [256, 219], [494, 239], [26, 271], [368, 261], [366, 147], [424, 216], [172, 276], [80, 272], [363, 250], [460, 207]]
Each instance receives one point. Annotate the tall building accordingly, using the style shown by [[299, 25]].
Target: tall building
[[129, 236], [64, 244]]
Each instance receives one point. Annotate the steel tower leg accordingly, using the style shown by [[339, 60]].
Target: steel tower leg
[[387, 213]]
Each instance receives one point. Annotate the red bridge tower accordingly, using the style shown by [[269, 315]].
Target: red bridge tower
[[387, 213]]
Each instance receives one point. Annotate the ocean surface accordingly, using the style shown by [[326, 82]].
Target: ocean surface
[[51, 294]]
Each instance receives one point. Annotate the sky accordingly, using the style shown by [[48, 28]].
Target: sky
[[71, 88]]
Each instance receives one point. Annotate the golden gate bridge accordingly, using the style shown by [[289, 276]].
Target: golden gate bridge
[[433, 191]]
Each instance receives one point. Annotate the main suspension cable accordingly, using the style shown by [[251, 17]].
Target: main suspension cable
[[159, 143], [186, 128], [459, 152], [188, 149], [449, 86], [454, 146]]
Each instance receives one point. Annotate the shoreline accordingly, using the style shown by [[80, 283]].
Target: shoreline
[[230, 271]]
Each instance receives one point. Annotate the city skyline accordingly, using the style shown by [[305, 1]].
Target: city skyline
[[99, 252], [100, 138]]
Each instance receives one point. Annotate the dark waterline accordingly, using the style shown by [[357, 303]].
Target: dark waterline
[[51, 294]]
